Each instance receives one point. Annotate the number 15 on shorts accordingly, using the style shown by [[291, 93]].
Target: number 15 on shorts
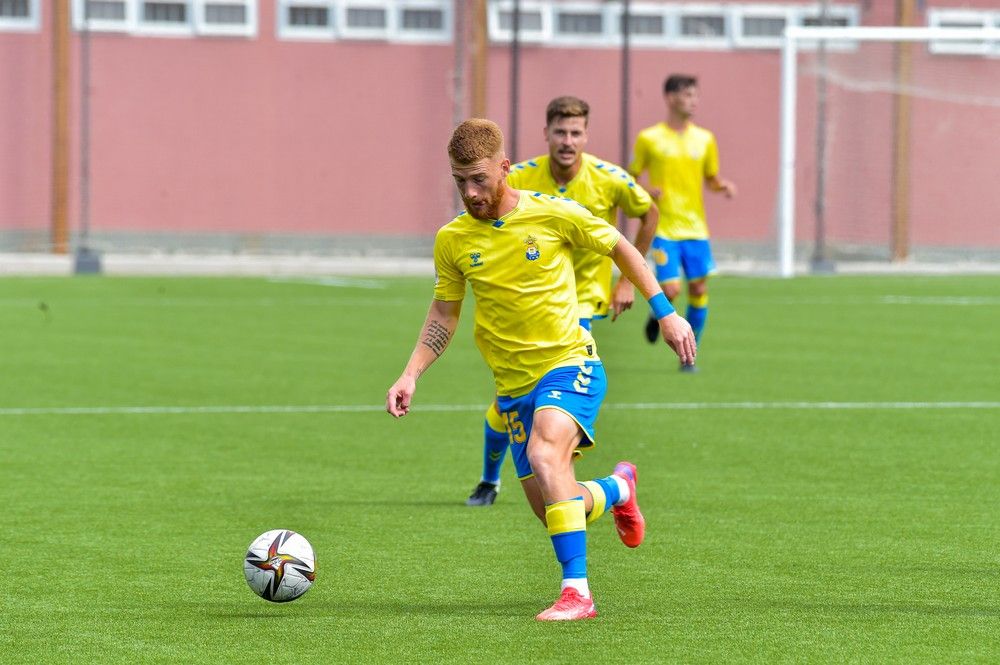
[[515, 428]]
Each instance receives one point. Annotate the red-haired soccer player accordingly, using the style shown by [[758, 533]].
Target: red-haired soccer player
[[602, 188], [515, 249]]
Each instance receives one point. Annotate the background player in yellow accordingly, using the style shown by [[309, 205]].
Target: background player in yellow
[[681, 158], [601, 187], [514, 248]]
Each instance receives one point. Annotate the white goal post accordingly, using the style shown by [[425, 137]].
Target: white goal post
[[832, 38]]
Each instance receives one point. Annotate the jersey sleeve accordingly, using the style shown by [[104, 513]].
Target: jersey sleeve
[[633, 199], [585, 231], [711, 158], [449, 282], [640, 157]]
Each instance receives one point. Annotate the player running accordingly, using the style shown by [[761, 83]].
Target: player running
[[515, 249], [601, 187], [681, 158]]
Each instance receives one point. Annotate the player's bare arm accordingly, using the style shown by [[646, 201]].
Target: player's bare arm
[[717, 184], [436, 334], [623, 295], [673, 328]]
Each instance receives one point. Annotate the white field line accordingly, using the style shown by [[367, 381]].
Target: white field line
[[439, 408], [341, 282]]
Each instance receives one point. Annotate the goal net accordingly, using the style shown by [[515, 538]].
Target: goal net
[[890, 147]]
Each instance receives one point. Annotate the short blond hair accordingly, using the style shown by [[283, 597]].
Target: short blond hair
[[475, 139]]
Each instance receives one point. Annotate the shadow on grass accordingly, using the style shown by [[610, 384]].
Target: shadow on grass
[[415, 503], [403, 607]]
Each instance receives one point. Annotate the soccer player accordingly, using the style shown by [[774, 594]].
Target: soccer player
[[515, 248], [681, 158], [601, 187]]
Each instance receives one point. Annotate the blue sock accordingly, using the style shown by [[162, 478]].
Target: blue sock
[[606, 492], [696, 316], [611, 492], [567, 527], [494, 450]]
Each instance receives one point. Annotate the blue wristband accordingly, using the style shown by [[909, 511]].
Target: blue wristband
[[661, 306]]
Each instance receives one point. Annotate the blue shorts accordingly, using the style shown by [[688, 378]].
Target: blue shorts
[[670, 256], [577, 390]]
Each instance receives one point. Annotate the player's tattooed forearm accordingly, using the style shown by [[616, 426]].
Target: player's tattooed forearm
[[436, 337]]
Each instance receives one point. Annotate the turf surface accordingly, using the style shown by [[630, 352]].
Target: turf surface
[[794, 514]]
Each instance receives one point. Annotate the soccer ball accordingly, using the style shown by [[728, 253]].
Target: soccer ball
[[280, 565]]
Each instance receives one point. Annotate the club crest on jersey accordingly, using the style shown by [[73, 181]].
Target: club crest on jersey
[[531, 248], [475, 259]]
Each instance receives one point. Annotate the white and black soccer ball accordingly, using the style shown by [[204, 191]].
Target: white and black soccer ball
[[280, 565]]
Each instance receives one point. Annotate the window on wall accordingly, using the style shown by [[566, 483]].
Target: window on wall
[[763, 26], [390, 20], [218, 14], [15, 9], [760, 26], [703, 26], [104, 15], [306, 19], [534, 21], [308, 16], [236, 18], [364, 19], [643, 24], [164, 12], [367, 18], [678, 25], [964, 19], [19, 15], [829, 21], [649, 24], [579, 23], [164, 17], [526, 21], [423, 21], [106, 10]]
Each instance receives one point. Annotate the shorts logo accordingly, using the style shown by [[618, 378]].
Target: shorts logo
[[555, 394], [583, 379], [531, 248], [476, 259]]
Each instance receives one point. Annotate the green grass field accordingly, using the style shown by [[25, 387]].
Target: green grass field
[[830, 493]]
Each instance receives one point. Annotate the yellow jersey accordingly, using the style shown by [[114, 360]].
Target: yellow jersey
[[678, 164], [521, 271], [601, 187]]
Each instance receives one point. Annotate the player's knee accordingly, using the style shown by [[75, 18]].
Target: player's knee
[[545, 458], [542, 460], [671, 290], [698, 288]]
